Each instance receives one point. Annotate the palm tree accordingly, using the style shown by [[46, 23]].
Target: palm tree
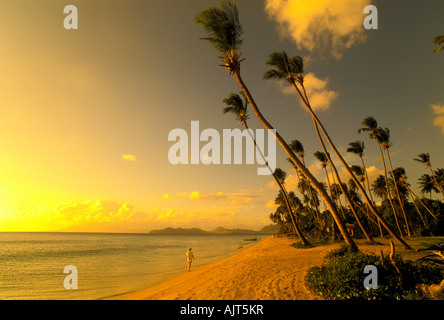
[[439, 40], [404, 182], [357, 148], [379, 187], [224, 31], [439, 174], [291, 70], [237, 104], [370, 125], [427, 184], [424, 158], [384, 135]]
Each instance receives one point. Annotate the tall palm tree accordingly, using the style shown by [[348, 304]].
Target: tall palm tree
[[439, 40], [224, 31], [427, 184], [424, 158], [384, 136], [370, 125], [237, 104], [291, 70]]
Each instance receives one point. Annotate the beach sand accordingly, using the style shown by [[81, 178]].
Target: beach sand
[[270, 270]]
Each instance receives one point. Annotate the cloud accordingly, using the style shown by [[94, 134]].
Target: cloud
[[319, 95], [326, 26], [438, 110], [130, 157]]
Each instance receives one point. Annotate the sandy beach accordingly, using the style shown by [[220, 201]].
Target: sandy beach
[[270, 270]]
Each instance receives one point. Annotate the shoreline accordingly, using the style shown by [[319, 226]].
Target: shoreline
[[272, 269]]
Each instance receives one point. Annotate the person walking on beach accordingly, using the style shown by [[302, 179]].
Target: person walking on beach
[[190, 258]]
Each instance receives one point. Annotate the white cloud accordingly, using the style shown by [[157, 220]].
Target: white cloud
[[329, 26], [319, 95]]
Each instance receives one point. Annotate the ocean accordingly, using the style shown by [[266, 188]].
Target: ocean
[[108, 265]]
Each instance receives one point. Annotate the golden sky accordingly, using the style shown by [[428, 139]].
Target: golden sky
[[85, 114]]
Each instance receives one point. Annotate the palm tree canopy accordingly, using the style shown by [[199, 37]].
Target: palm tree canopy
[[423, 158], [297, 147], [356, 147], [224, 30], [379, 187], [427, 184], [284, 67], [237, 104], [383, 136], [222, 26], [321, 157], [370, 125], [280, 175]]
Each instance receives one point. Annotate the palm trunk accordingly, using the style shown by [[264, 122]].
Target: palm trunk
[[313, 196], [387, 187], [304, 240], [421, 202], [336, 174], [397, 192], [370, 193], [372, 207], [297, 163]]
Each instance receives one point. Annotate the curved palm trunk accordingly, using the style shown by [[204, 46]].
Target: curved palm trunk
[[397, 192], [372, 207], [298, 164], [417, 209], [421, 202], [284, 192]]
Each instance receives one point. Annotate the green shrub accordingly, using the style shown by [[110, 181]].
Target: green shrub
[[342, 277]]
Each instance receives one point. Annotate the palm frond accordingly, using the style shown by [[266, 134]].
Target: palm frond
[[222, 26]]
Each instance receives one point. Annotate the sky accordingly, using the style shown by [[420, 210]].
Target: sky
[[85, 113]]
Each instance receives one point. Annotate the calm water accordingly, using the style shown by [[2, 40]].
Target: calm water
[[32, 264]]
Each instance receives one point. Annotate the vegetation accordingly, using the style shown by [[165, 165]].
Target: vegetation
[[341, 277]]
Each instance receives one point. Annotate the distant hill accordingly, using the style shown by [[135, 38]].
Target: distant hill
[[220, 230], [179, 231]]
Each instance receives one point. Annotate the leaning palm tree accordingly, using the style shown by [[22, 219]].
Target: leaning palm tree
[[384, 136], [224, 31], [439, 40], [237, 104], [424, 158], [370, 125], [290, 69]]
